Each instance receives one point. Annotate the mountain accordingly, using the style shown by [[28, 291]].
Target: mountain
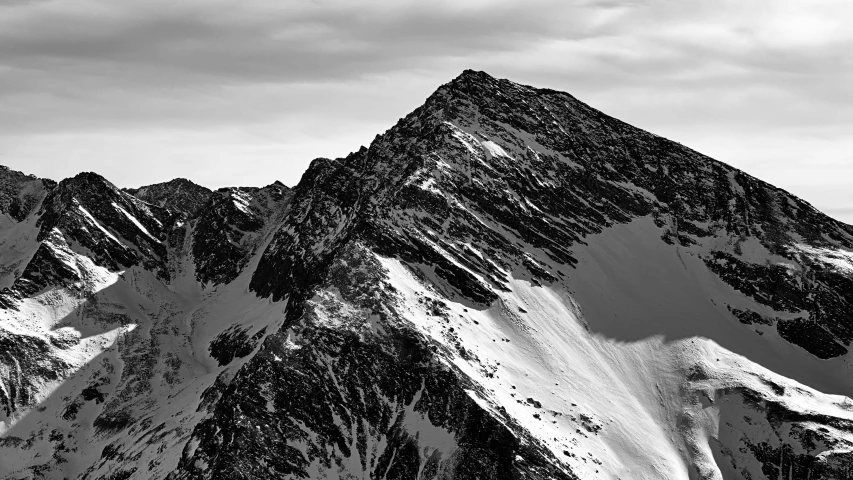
[[230, 227], [506, 284], [180, 195], [19, 196]]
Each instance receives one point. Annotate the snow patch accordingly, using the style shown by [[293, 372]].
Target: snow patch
[[494, 149], [841, 260], [135, 222], [241, 202], [94, 222]]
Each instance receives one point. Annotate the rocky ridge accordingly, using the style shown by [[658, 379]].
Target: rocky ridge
[[180, 195]]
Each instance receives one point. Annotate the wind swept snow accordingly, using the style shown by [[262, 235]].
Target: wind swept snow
[[572, 364], [241, 202], [494, 149], [94, 222], [135, 222], [839, 259]]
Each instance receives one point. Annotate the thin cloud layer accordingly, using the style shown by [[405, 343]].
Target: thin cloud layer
[[143, 91]]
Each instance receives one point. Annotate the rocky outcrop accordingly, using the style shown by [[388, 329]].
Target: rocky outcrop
[[179, 195], [20, 194], [230, 227]]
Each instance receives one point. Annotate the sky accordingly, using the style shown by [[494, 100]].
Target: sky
[[244, 93]]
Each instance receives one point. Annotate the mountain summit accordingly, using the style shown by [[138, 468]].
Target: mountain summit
[[179, 194], [506, 284]]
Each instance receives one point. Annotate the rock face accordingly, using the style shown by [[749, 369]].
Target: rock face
[[20, 195], [230, 227], [506, 284], [180, 195]]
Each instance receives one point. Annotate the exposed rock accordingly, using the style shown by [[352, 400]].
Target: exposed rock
[[179, 195]]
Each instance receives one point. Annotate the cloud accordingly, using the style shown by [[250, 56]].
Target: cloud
[[283, 79], [81, 64], [71, 53], [260, 41]]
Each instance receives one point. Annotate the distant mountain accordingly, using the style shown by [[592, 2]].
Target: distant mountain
[[506, 284], [20, 195], [230, 226], [180, 195]]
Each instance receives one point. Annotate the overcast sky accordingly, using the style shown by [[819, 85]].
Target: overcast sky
[[247, 92]]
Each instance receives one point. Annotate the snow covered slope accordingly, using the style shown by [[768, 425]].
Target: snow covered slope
[[506, 284], [109, 339]]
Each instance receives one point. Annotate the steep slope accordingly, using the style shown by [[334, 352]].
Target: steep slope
[[109, 339], [229, 228], [20, 195], [180, 195], [527, 237], [77, 235], [506, 284]]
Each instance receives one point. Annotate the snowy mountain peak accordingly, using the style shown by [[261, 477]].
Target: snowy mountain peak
[[20, 193], [506, 284], [492, 188], [116, 229], [180, 195]]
